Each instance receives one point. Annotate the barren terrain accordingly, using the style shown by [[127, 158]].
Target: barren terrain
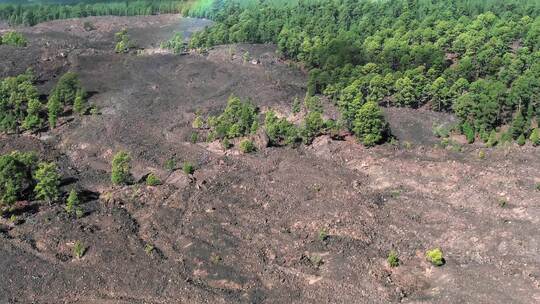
[[244, 228]]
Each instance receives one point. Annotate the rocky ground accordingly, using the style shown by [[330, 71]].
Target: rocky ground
[[246, 228]]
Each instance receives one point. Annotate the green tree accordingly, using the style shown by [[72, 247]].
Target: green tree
[[47, 182], [521, 140], [121, 168], [492, 140], [369, 124], [535, 137], [518, 125], [72, 202], [54, 108], [405, 93]]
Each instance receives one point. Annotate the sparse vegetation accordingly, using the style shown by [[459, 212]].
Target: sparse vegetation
[[393, 259], [316, 260], [121, 168], [247, 146], [279, 130], [170, 164], [152, 180], [16, 176], [322, 235], [13, 38], [149, 248], [72, 203], [236, 120], [123, 42], [188, 168], [435, 257], [535, 137], [79, 249], [175, 44]]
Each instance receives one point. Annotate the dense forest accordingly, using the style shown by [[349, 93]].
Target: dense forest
[[33, 13], [478, 59]]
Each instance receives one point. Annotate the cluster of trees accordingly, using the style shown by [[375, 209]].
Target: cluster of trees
[[31, 14], [13, 38], [478, 59], [23, 177], [241, 119], [22, 110]]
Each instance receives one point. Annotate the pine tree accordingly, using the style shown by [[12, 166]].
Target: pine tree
[[121, 167], [78, 104], [521, 140], [492, 140], [369, 124], [72, 202], [53, 106], [518, 125], [535, 137], [47, 182]]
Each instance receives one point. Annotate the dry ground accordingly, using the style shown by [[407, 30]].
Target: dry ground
[[244, 228]]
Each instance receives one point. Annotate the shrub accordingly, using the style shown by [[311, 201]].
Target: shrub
[[194, 137], [521, 140], [535, 137], [15, 175], [152, 180], [296, 106], [435, 257], [68, 89], [188, 168], [322, 235], [48, 181], [468, 131], [148, 248], [175, 44], [72, 202], [316, 260], [312, 127], [123, 43], [236, 120], [369, 124], [247, 146], [279, 130], [79, 250], [492, 140], [197, 123], [15, 39], [121, 167], [393, 259], [170, 164], [226, 144]]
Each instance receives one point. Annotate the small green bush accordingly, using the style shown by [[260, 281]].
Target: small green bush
[[521, 140], [152, 180], [535, 137], [175, 44], [492, 140], [322, 235], [72, 202], [148, 248], [197, 123], [170, 164], [468, 131], [188, 168], [79, 249], [121, 167], [393, 259], [47, 182], [247, 146], [435, 257], [15, 39], [226, 144]]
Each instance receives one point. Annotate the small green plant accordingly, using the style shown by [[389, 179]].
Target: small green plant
[[226, 144], [482, 154], [247, 146], [435, 257], [149, 248], [316, 260], [48, 182], [296, 107], [188, 168], [407, 145], [215, 258], [502, 202], [14, 219], [322, 235], [538, 186], [535, 137], [152, 180], [393, 259], [72, 202], [79, 212], [197, 123], [170, 164], [521, 140], [79, 249], [121, 167], [194, 138]]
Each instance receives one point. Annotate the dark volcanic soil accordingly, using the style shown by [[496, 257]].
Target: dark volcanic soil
[[244, 228]]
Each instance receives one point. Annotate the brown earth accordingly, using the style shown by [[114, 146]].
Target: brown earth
[[244, 228]]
